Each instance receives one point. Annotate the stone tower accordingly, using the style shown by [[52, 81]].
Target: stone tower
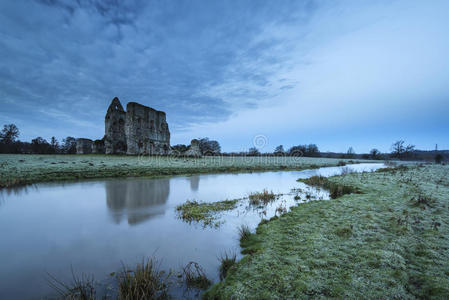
[[146, 130], [138, 130], [115, 138]]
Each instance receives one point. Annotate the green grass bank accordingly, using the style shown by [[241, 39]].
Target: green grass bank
[[20, 169], [389, 241]]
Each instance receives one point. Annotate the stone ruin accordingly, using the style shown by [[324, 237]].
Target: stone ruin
[[138, 130], [98, 147], [194, 149], [83, 146]]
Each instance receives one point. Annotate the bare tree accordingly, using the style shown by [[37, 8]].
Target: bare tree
[[69, 145], [397, 149], [209, 147], [9, 134], [54, 144], [253, 151], [374, 153], [279, 150], [350, 153], [409, 149]]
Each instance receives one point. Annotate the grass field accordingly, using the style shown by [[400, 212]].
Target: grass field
[[17, 169], [389, 241]]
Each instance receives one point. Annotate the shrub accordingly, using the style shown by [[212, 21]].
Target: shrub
[[341, 163], [438, 158]]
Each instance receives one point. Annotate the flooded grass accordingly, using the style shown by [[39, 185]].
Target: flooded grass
[[335, 189], [145, 281], [195, 277], [388, 242], [262, 198], [204, 212]]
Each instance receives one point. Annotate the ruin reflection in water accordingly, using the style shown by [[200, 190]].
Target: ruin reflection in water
[[194, 183], [137, 200]]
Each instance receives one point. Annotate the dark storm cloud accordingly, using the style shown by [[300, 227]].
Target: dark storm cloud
[[64, 60]]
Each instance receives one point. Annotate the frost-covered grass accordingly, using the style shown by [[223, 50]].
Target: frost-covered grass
[[335, 189], [17, 169], [390, 241]]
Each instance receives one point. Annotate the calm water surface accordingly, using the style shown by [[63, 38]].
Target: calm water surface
[[96, 226]]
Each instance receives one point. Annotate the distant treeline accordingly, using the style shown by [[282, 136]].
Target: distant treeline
[[9, 143]]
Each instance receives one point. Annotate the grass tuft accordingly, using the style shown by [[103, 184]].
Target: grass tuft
[[244, 233], [144, 282], [195, 277], [345, 231], [227, 261], [81, 288], [422, 201], [263, 197], [263, 221]]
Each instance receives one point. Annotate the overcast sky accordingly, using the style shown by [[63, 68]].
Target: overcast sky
[[335, 73]]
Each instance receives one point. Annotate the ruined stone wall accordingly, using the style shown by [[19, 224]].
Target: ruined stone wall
[[83, 146], [98, 147], [115, 137], [146, 130], [194, 149], [138, 130]]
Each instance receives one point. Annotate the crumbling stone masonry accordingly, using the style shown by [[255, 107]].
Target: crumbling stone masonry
[[146, 130], [114, 136], [194, 149], [138, 130], [83, 146], [98, 147]]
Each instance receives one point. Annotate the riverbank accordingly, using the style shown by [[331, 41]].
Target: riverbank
[[388, 241], [19, 169]]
